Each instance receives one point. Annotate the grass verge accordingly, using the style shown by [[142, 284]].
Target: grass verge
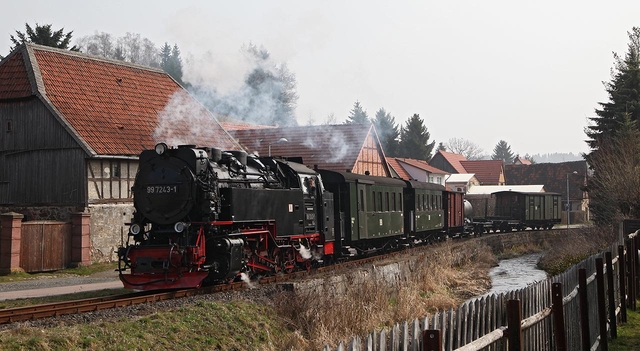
[[628, 334], [81, 271]]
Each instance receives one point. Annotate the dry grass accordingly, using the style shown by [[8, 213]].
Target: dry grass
[[442, 277], [574, 247]]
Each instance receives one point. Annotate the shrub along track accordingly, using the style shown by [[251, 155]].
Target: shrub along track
[[36, 312]]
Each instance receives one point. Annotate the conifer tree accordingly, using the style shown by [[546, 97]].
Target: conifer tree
[[43, 35], [503, 152], [357, 115], [387, 132], [414, 140], [624, 94]]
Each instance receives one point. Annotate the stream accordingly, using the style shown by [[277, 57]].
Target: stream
[[515, 273]]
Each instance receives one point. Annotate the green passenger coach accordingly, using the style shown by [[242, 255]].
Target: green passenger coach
[[425, 212], [371, 209]]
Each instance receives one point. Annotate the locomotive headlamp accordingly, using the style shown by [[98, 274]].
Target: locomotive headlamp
[[179, 227], [134, 229], [161, 148]]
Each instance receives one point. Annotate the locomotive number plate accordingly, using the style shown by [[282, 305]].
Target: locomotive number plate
[[162, 189]]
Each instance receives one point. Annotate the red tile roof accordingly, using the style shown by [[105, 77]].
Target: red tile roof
[[521, 161], [14, 78], [332, 147], [486, 171], [114, 107], [454, 160], [397, 167], [420, 164]]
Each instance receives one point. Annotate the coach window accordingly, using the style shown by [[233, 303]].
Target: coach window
[[373, 197], [379, 201], [393, 198], [361, 200], [386, 201], [400, 201]]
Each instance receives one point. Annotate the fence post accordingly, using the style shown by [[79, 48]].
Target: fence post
[[81, 239], [431, 340], [622, 282], [613, 323], [633, 257], [584, 309], [557, 309], [636, 241], [602, 313], [10, 237], [514, 319]]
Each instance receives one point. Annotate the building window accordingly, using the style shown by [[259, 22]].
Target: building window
[[115, 169], [430, 179], [439, 180]]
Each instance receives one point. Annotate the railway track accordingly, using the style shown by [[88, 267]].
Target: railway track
[[35, 312], [12, 315]]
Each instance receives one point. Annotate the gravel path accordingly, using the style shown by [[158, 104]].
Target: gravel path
[[54, 281]]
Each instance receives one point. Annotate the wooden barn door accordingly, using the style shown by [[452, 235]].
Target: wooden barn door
[[45, 246]]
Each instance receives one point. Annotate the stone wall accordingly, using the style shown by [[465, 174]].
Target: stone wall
[[44, 213], [108, 230]]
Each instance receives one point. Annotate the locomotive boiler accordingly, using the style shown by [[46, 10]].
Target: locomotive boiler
[[204, 215]]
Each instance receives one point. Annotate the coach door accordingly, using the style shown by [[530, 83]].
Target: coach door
[[362, 211]]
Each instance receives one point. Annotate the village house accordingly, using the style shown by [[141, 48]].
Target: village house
[[408, 169], [72, 127]]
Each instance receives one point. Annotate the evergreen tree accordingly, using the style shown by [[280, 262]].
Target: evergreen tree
[[171, 62], [387, 132], [624, 94], [613, 140], [357, 115], [414, 140], [43, 35], [503, 152]]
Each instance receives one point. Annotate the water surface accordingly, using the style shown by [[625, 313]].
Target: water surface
[[516, 273]]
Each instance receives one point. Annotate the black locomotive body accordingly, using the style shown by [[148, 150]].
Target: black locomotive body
[[202, 214]]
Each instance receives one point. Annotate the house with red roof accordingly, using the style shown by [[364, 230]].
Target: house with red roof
[[417, 169], [351, 148], [72, 127], [487, 172], [448, 162]]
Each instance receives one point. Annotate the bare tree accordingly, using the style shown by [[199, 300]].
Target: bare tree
[[330, 119], [614, 188], [132, 48], [464, 147]]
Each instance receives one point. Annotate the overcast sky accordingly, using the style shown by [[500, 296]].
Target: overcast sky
[[527, 73]]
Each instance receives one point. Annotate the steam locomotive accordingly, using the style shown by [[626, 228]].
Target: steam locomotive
[[204, 216]]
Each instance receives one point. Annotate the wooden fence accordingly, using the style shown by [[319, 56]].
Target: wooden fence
[[576, 310]]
